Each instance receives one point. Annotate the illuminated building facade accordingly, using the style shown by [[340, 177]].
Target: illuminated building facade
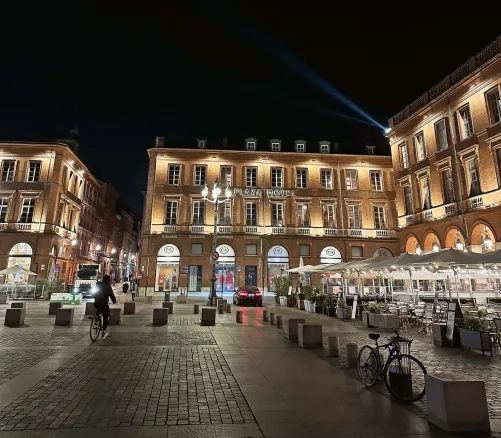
[[446, 151], [309, 203]]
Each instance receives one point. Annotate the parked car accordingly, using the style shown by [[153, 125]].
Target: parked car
[[248, 295]]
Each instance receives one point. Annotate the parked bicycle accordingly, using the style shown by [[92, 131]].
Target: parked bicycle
[[96, 326], [402, 373]]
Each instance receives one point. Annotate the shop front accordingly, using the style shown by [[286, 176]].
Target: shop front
[[225, 269], [167, 271], [277, 263], [19, 255], [331, 255], [194, 277]]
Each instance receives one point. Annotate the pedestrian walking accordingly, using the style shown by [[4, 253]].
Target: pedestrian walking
[[125, 287]]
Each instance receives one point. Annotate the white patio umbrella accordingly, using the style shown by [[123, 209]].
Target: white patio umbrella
[[301, 269], [15, 270]]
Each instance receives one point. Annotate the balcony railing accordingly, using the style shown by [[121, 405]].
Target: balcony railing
[[251, 229], [304, 231], [224, 229], [23, 226], [451, 209], [170, 228], [198, 228], [476, 202]]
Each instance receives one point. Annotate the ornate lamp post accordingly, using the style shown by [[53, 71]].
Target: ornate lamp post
[[215, 194]]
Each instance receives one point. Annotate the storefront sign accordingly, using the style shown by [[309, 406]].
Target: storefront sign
[[66, 298], [184, 270], [261, 192]]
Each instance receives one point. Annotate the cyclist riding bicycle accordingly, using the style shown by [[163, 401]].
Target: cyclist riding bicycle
[[101, 300]]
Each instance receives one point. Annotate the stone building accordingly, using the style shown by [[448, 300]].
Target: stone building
[[446, 151], [310, 203]]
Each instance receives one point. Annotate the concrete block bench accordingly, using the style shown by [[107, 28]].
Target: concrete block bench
[[64, 316], [181, 299], [129, 308], [89, 308], [116, 316], [310, 335], [53, 308], [291, 327], [457, 405], [208, 316], [3, 299], [168, 305], [15, 317], [18, 305], [219, 301], [160, 317]]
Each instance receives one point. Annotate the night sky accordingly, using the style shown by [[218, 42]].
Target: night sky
[[124, 74]]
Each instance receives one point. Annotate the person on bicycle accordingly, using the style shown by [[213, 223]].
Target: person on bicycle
[[103, 295]]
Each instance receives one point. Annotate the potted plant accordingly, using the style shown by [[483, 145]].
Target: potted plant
[[342, 311], [474, 332], [319, 303], [307, 292], [282, 286], [330, 305]]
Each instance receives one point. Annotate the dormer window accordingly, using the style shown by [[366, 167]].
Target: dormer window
[[201, 143], [300, 146], [325, 147], [275, 147], [250, 144]]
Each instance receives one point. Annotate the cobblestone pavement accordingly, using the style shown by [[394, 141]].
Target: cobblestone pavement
[[175, 338], [17, 339], [15, 362]]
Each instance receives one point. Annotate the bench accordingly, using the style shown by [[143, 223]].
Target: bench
[[64, 316], [15, 317], [310, 335], [291, 327]]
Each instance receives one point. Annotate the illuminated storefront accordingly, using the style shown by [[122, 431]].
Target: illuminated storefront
[[278, 264], [167, 272]]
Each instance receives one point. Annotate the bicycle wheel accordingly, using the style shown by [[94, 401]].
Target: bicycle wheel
[[368, 369], [95, 328], [404, 376]]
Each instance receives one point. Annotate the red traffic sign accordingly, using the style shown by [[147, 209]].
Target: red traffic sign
[[214, 256], [139, 276]]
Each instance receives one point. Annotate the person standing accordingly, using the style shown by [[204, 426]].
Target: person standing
[[125, 287]]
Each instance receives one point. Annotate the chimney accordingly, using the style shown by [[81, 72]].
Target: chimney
[[336, 147], [370, 149], [225, 143], [159, 142], [201, 143]]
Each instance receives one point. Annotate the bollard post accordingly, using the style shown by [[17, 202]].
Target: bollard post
[[228, 307], [239, 316], [221, 309], [196, 309], [280, 321], [331, 346], [352, 355], [265, 316], [272, 318]]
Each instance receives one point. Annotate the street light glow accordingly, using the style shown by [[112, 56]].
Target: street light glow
[[98, 247], [73, 242], [205, 191], [113, 250], [227, 192]]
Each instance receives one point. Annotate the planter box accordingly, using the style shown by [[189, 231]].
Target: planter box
[[307, 305], [439, 333], [480, 341], [319, 309], [282, 301], [342, 313], [384, 321], [331, 311], [367, 318]]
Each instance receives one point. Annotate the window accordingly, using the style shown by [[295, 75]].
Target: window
[[4, 205], [28, 210], [465, 123], [226, 175], [34, 171], [409, 206], [473, 178], [419, 147], [198, 213], [225, 213], [300, 147], [324, 148], [201, 144], [441, 134], [379, 218], [170, 212], [351, 176], [301, 178], [251, 213], [303, 214], [326, 178], [8, 167], [277, 214], [329, 215], [251, 145], [403, 155], [277, 177], [448, 186], [304, 250], [376, 180], [425, 192], [197, 249], [357, 251], [174, 174], [275, 147], [251, 177], [354, 218], [494, 105], [200, 175], [250, 249]]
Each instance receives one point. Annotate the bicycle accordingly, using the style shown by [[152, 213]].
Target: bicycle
[[402, 374], [96, 325]]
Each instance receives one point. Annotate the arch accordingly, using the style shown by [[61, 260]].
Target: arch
[[479, 233], [278, 254], [452, 236], [21, 249], [330, 254], [383, 252], [226, 253], [169, 250], [411, 244], [431, 239]]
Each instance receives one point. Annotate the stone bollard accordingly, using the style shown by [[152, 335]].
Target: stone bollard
[[208, 316], [220, 309], [196, 309], [129, 308], [291, 328], [331, 346], [352, 355], [64, 316], [273, 321], [168, 305], [89, 308], [310, 335], [167, 296], [239, 316], [266, 318], [160, 317], [228, 307], [115, 315], [54, 306], [3, 298], [15, 317], [280, 321]]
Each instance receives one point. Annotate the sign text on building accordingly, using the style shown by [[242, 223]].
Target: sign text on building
[[260, 192]]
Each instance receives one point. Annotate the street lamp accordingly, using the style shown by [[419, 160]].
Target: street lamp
[[98, 247], [435, 247], [418, 249], [459, 244], [216, 192]]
